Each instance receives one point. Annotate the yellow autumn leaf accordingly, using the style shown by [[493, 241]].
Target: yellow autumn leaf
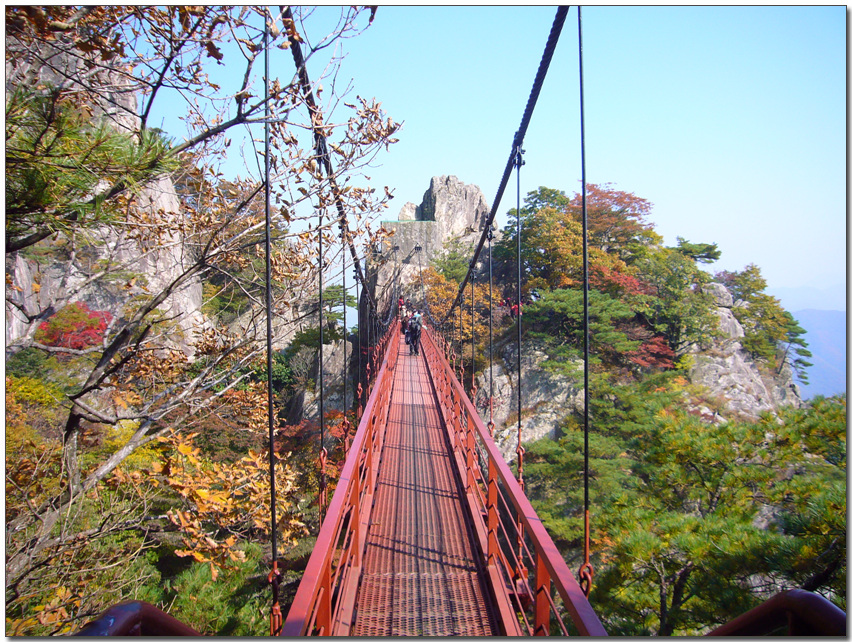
[[185, 449]]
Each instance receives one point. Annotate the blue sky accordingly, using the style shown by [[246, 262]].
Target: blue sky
[[730, 120]]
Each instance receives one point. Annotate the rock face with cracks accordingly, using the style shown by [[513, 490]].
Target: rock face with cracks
[[37, 283], [730, 374]]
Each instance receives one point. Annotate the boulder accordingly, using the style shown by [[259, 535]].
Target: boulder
[[721, 295], [728, 324]]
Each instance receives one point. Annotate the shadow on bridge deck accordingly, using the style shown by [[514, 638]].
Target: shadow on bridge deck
[[422, 574]]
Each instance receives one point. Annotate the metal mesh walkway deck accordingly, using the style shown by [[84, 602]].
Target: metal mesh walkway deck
[[420, 573]]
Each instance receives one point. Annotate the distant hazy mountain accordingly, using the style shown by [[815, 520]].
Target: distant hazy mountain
[[826, 337], [808, 298]]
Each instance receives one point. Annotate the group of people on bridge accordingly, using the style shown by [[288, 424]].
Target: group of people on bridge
[[411, 325]]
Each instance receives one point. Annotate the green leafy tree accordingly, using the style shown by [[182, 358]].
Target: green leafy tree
[[557, 319], [553, 473], [796, 351], [551, 239], [677, 308], [57, 159], [700, 252], [743, 285], [812, 500], [453, 262], [617, 220], [333, 302], [551, 254], [680, 536]]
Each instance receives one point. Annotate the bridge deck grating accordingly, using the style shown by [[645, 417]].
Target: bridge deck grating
[[421, 575]]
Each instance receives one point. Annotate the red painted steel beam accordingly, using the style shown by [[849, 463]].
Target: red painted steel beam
[[802, 612]]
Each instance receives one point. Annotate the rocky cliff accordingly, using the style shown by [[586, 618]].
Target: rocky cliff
[[727, 373], [102, 267], [450, 210], [731, 375], [547, 398], [105, 270]]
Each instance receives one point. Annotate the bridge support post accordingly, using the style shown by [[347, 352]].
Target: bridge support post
[[323, 622], [369, 455], [542, 601], [493, 519], [471, 453], [355, 518]]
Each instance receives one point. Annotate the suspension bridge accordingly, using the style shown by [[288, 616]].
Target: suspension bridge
[[429, 531]]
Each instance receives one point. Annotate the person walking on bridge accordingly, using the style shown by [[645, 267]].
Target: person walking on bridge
[[414, 326]]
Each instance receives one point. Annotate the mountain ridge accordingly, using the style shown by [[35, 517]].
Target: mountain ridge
[[827, 340]]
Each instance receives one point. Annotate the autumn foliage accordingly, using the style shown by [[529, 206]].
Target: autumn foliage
[[75, 326], [232, 499]]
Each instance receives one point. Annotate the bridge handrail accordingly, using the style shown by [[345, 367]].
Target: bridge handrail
[[136, 618], [549, 567], [803, 613], [322, 602]]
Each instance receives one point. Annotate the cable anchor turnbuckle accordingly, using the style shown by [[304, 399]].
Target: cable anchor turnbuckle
[[276, 619], [519, 157]]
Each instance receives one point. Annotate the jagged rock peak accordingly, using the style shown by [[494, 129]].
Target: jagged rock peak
[[457, 208], [450, 210]]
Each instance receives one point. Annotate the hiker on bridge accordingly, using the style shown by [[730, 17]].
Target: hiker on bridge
[[414, 327]]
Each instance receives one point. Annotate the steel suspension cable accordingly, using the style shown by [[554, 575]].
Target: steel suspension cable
[[461, 344], [345, 362], [586, 571], [321, 151], [519, 162], [490, 336], [472, 341], [426, 307], [461, 339], [549, 48], [323, 452], [360, 388], [276, 619]]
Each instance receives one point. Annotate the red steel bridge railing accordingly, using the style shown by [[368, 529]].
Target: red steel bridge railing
[[325, 598], [534, 588], [531, 584]]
